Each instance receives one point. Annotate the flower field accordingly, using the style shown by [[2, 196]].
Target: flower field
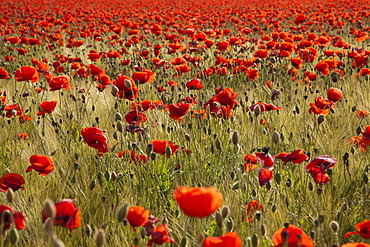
[[185, 123]]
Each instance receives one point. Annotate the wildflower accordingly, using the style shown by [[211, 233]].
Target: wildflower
[[318, 166], [291, 236], [230, 239], [137, 216], [11, 180], [199, 201], [8, 216], [67, 214], [363, 228], [94, 137], [41, 163]]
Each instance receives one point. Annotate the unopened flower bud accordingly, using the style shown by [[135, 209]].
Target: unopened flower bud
[[49, 210], [100, 238], [334, 226], [235, 138], [122, 212], [9, 194], [320, 119], [225, 211], [128, 83], [13, 236], [275, 137]]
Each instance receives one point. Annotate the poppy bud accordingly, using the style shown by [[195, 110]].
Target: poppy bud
[[334, 226], [258, 215], [365, 178], [274, 208], [13, 236], [107, 175], [55, 242], [122, 212], [320, 119], [201, 238], [149, 149], [49, 209], [100, 176], [49, 225], [115, 136], [335, 77], [88, 230], [100, 238], [257, 110], [128, 83], [187, 137], [358, 130], [218, 144], [312, 234], [255, 240], [119, 126], [168, 151], [115, 90], [275, 137], [118, 116], [9, 194], [225, 211], [277, 178], [229, 224], [92, 184], [219, 220], [288, 183], [235, 138], [354, 108], [263, 230], [184, 242], [153, 156], [310, 186]]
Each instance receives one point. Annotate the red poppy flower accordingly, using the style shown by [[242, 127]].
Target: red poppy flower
[[230, 239], [94, 137], [251, 208], [322, 103], [127, 87], [318, 166], [362, 113], [223, 45], [267, 160], [334, 94], [296, 157], [41, 163], [264, 107], [47, 107], [251, 162], [296, 62], [145, 76], [199, 201], [264, 175], [95, 70], [8, 219], [22, 136], [11, 180], [27, 73], [133, 157], [160, 236], [182, 68], [142, 106], [262, 53], [363, 228], [67, 214], [178, 110], [226, 96], [295, 237], [194, 84], [316, 110], [58, 82], [363, 141], [4, 74], [355, 245], [159, 146], [135, 116], [137, 216]]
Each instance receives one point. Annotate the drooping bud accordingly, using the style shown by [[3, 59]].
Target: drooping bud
[[122, 212], [334, 226], [100, 238], [9, 194], [235, 138], [275, 137], [49, 209], [225, 211]]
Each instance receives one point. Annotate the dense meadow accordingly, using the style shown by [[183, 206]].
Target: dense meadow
[[185, 123]]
